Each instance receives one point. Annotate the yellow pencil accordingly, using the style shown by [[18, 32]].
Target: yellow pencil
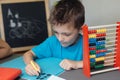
[[33, 64]]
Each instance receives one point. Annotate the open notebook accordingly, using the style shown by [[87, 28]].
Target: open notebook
[[9, 73]]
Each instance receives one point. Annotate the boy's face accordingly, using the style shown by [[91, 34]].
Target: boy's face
[[66, 34]]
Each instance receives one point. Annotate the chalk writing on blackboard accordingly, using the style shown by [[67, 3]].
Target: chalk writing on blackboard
[[25, 24], [22, 27]]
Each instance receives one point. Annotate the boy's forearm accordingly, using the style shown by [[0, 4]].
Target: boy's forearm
[[5, 52], [1, 47], [80, 64], [28, 56]]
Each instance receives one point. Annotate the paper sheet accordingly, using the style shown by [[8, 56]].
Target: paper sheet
[[53, 77]]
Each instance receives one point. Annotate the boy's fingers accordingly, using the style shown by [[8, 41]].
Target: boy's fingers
[[31, 71]]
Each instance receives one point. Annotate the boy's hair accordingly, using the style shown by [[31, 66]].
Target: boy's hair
[[67, 11]]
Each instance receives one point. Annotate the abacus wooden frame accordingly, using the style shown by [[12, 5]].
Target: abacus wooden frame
[[86, 59]]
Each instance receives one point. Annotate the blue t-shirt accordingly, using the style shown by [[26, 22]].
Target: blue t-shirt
[[51, 47]]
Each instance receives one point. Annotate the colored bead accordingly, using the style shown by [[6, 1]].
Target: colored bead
[[92, 59], [99, 59], [99, 62], [92, 52], [99, 66], [92, 64], [92, 56], [92, 44], [92, 48], [101, 54], [92, 40]]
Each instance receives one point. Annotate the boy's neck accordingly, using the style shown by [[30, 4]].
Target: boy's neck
[[76, 40]]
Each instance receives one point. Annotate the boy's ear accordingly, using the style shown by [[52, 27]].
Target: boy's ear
[[80, 30], [83, 26]]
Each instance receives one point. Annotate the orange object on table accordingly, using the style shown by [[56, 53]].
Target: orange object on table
[[9, 73]]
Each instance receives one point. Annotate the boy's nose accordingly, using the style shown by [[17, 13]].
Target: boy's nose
[[60, 38]]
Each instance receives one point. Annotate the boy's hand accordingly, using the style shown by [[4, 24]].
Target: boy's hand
[[69, 64], [30, 69]]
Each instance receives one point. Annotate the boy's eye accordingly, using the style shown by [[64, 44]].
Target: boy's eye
[[66, 34], [55, 32]]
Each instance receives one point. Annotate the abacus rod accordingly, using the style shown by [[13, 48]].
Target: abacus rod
[[108, 57], [105, 70], [111, 41], [109, 60], [112, 33], [110, 45], [113, 52], [109, 64], [111, 49], [110, 37], [114, 27], [106, 37], [109, 30], [104, 58], [103, 26]]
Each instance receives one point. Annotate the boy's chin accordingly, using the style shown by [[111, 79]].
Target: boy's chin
[[64, 45]]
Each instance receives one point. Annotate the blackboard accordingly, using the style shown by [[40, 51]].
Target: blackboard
[[24, 23]]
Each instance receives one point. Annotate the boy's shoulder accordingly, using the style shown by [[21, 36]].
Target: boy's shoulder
[[2, 42], [53, 37]]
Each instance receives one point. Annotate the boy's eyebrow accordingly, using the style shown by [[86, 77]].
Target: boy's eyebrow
[[54, 31], [62, 32]]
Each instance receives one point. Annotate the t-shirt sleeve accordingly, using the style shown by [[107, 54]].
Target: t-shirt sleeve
[[43, 49]]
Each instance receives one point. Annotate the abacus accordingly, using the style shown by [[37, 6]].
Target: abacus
[[101, 48]]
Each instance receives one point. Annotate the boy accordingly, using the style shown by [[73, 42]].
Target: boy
[[5, 49], [66, 18]]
